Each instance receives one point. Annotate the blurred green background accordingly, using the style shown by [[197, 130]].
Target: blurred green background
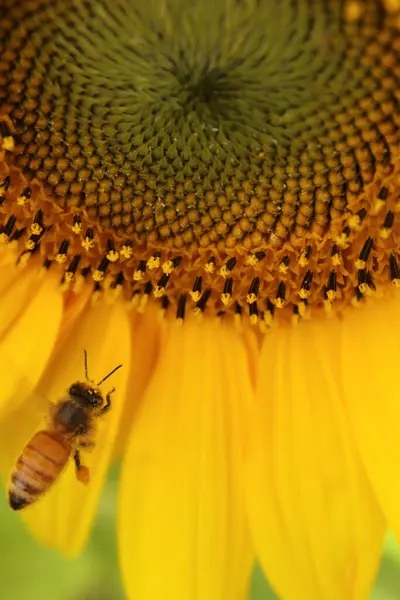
[[94, 575]]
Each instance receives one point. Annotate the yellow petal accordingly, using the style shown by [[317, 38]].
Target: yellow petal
[[27, 345], [63, 517], [252, 344], [317, 528], [370, 361], [74, 305], [15, 296], [182, 529], [9, 274], [145, 332]]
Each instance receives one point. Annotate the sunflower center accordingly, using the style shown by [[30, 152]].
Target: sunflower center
[[251, 147]]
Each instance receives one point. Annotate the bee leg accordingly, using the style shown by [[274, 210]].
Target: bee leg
[[82, 472], [107, 405]]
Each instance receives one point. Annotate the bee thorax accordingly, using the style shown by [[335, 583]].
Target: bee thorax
[[72, 417]]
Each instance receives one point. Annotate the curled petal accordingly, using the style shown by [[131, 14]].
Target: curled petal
[[316, 525], [182, 521], [29, 337], [369, 355], [62, 518]]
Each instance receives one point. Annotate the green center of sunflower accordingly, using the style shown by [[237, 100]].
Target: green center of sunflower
[[247, 149]]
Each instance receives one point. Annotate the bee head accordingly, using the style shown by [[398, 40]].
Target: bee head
[[86, 395]]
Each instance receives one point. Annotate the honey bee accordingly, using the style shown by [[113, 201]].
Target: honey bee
[[70, 429]]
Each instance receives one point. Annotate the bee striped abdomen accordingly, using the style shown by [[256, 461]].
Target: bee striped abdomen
[[37, 468]]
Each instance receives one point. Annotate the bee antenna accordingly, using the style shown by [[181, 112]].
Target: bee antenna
[[86, 367], [109, 374]]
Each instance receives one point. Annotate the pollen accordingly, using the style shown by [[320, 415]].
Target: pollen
[[258, 182]]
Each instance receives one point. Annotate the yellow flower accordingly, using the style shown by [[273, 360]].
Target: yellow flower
[[208, 195]]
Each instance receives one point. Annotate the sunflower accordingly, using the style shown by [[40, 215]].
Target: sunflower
[[208, 193]]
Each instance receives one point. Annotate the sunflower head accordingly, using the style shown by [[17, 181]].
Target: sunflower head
[[240, 161]]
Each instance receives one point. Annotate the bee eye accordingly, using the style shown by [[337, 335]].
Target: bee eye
[[94, 400], [74, 390]]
